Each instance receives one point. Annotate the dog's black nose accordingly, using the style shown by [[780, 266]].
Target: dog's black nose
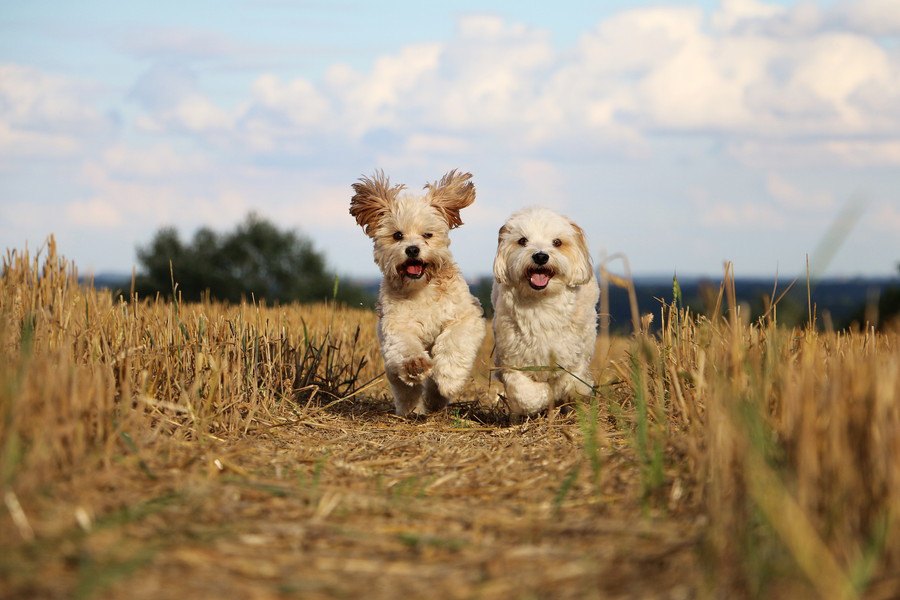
[[540, 258], [413, 251]]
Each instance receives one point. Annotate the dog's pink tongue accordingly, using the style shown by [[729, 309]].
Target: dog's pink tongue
[[414, 270], [540, 279]]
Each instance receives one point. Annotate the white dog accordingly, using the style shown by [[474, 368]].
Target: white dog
[[429, 325], [545, 310]]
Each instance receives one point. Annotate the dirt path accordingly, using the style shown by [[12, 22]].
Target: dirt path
[[358, 503]]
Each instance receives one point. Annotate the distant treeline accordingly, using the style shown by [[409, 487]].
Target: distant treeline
[[844, 302], [257, 261], [838, 301]]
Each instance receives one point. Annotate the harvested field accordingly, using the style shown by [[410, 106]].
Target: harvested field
[[154, 449]]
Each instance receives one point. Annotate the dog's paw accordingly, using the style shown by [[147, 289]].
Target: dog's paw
[[415, 370]]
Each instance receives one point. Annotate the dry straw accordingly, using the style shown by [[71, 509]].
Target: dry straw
[[718, 458]]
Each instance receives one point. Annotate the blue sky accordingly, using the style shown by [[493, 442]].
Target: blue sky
[[681, 134]]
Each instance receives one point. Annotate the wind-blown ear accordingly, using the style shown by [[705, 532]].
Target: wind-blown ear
[[451, 194], [582, 266], [500, 259], [372, 200]]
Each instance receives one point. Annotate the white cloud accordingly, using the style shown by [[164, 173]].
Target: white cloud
[[871, 17], [194, 114], [647, 102], [832, 153], [324, 205], [174, 43], [792, 197], [43, 114], [743, 17], [18, 143], [198, 114], [22, 216], [366, 101], [154, 161], [123, 195], [742, 215], [172, 101], [886, 217], [94, 213], [543, 183], [736, 14], [752, 74], [36, 99], [299, 101], [640, 72], [436, 144], [865, 153]]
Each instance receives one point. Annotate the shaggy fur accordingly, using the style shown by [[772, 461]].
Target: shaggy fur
[[430, 327], [545, 310]]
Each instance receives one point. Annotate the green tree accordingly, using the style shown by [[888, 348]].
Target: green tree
[[887, 309], [889, 303], [482, 290], [256, 258]]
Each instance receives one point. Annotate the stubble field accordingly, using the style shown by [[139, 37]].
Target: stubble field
[[154, 449]]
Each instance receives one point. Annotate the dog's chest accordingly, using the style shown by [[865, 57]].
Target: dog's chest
[[424, 316], [536, 319], [538, 331]]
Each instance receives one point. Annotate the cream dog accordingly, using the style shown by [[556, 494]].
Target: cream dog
[[545, 310], [429, 325]]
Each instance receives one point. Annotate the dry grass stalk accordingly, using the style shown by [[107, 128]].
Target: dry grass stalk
[[251, 450]]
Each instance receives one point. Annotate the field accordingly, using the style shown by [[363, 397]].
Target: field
[[154, 449]]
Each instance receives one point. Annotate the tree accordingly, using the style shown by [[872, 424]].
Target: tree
[[887, 310], [255, 259]]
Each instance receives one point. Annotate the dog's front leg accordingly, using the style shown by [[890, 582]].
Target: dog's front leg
[[407, 398], [571, 383], [403, 352], [525, 396], [407, 365], [406, 372], [453, 353]]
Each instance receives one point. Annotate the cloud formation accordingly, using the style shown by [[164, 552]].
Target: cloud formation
[[753, 114], [748, 72], [44, 114]]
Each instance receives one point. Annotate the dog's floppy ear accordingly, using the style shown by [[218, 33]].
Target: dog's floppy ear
[[582, 266], [450, 195], [500, 258], [372, 200]]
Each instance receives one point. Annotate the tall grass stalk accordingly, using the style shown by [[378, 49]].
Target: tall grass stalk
[[87, 376], [799, 427], [785, 438], [780, 444]]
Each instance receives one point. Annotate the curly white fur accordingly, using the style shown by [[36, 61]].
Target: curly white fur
[[545, 310], [429, 325]]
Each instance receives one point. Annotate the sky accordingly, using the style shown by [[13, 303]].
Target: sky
[[680, 134]]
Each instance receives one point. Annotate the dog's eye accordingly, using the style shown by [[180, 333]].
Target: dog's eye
[[557, 243], [398, 236], [523, 241], [427, 236]]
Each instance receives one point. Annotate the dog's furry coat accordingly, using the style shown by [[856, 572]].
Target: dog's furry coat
[[545, 298], [429, 325]]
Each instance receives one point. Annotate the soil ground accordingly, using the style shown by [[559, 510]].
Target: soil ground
[[354, 502]]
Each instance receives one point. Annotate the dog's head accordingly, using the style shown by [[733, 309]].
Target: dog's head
[[410, 233], [540, 252]]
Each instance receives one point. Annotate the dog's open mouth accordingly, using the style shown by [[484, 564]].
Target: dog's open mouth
[[539, 277], [413, 268]]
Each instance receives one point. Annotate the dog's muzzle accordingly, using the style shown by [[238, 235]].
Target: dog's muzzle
[[539, 277], [413, 268]]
